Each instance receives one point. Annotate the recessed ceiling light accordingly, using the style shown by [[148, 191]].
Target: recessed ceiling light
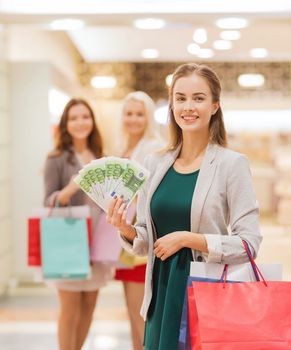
[[259, 52], [103, 82], [150, 53], [200, 36], [149, 23], [205, 53], [230, 35], [222, 45], [193, 48], [251, 80], [67, 24], [232, 23]]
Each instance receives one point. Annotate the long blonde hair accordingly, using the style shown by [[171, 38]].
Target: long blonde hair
[[216, 125], [151, 130]]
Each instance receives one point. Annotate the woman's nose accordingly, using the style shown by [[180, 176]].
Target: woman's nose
[[189, 105]]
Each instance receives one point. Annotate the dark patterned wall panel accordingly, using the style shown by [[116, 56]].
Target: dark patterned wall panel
[[150, 77]]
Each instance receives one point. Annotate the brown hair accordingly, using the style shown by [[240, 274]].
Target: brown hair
[[216, 125], [63, 140]]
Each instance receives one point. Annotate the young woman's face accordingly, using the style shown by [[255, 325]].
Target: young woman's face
[[134, 118], [192, 103], [80, 123]]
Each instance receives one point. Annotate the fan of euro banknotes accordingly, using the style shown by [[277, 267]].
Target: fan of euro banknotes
[[107, 177]]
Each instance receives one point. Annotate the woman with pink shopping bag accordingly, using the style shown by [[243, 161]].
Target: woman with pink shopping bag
[[198, 189]]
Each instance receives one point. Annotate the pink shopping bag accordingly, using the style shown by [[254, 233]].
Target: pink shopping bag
[[105, 245]]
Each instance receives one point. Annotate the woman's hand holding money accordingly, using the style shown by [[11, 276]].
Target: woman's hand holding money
[[116, 216]]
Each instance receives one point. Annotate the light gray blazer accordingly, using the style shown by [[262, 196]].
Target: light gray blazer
[[58, 172], [224, 208]]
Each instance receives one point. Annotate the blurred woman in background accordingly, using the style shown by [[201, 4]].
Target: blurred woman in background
[[139, 137], [78, 141]]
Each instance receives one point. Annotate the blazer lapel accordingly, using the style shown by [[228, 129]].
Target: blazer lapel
[[203, 184]]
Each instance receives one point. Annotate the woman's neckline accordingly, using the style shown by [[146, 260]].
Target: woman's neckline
[[190, 173]]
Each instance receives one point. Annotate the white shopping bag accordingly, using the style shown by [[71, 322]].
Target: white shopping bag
[[238, 272]]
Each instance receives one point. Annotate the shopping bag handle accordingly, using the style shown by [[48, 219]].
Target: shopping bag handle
[[55, 204], [258, 275]]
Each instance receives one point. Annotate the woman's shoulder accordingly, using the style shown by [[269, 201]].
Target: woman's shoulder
[[57, 156], [232, 158]]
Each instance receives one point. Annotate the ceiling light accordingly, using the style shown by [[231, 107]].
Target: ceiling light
[[232, 23], [200, 36], [149, 23], [193, 48], [251, 80], [67, 24], [230, 35], [259, 52], [103, 82], [150, 53], [222, 45], [169, 79], [205, 53]]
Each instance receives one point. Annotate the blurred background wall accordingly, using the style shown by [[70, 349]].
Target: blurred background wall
[[41, 67]]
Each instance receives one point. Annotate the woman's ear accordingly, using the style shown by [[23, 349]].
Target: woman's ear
[[216, 106]]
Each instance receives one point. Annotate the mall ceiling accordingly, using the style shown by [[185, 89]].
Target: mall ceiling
[[105, 30]]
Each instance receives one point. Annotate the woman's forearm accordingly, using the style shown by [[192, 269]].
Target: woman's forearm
[[65, 195], [196, 241], [129, 233]]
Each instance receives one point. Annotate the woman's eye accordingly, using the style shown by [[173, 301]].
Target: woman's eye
[[199, 99]]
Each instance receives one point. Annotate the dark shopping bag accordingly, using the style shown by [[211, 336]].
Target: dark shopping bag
[[184, 334]]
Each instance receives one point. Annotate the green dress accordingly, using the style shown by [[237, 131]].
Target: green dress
[[170, 209]]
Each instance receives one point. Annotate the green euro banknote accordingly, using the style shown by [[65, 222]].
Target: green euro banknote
[[95, 176], [107, 177], [130, 181], [114, 168]]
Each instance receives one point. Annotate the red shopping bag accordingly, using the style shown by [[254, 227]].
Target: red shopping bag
[[240, 316], [33, 229]]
